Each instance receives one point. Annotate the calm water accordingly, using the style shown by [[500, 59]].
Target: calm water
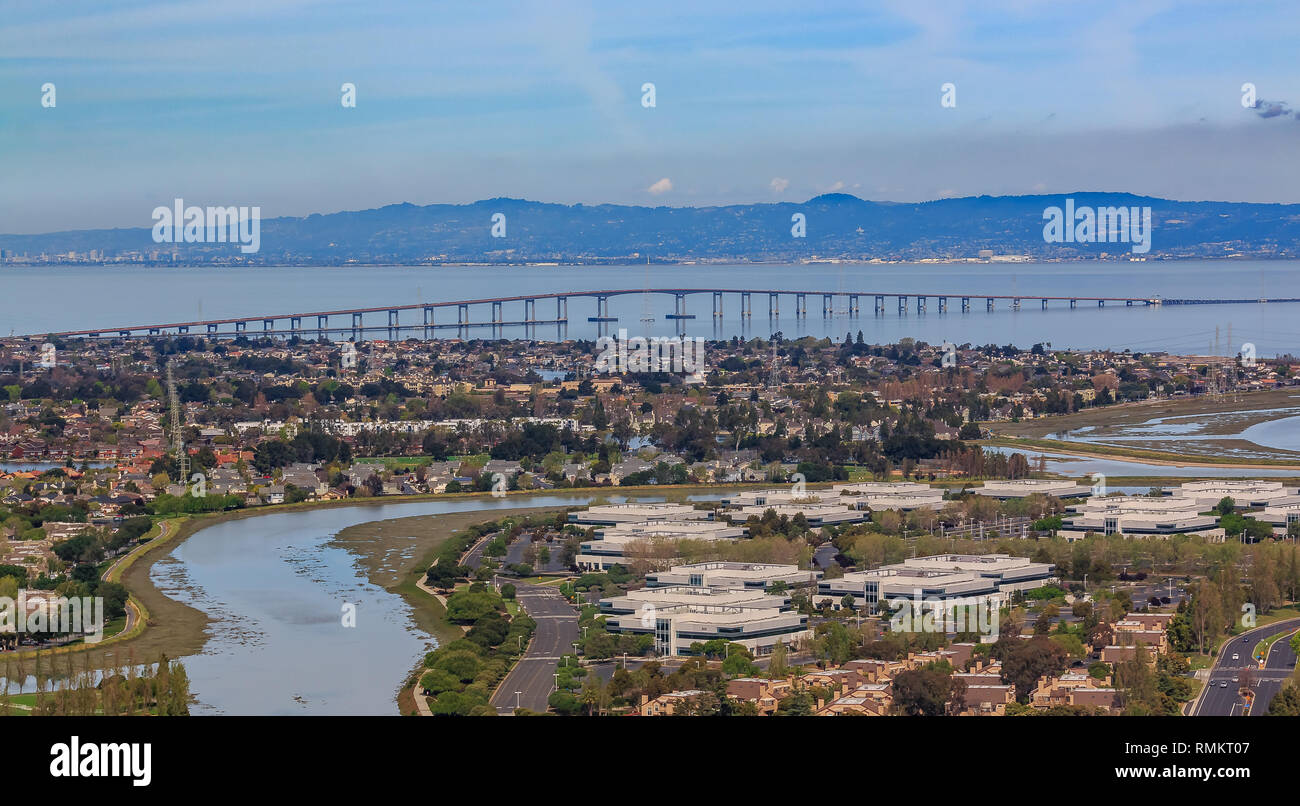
[[39, 300], [275, 590]]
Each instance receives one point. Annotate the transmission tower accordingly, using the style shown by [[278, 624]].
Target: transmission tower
[[178, 436]]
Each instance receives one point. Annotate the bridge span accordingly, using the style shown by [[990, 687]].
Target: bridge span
[[300, 323]]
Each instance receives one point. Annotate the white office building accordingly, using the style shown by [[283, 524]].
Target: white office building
[[626, 542], [612, 514], [676, 627], [1021, 488], [955, 579], [733, 575], [876, 496], [1246, 493], [1141, 516]]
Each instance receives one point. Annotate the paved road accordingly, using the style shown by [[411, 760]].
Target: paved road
[[1218, 700], [131, 613], [557, 629]]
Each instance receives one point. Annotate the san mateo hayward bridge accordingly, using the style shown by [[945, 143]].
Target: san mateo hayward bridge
[[352, 319]]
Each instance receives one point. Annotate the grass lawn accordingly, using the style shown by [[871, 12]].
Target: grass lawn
[[17, 704], [1279, 614]]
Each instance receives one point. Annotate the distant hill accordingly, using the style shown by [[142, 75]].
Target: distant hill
[[838, 226]]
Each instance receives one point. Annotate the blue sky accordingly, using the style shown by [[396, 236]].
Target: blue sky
[[237, 102]]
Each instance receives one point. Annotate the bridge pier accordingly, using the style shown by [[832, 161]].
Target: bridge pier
[[212, 330], [1015, 304], [562, 309], [1044, 304], [902, 306], [155, 331], [530, 310], [183, 329], [1128, 303], [497, 317], [268, 325], [393, 328], [462, 316], [717, 304], [602, 310], [988, 303], [965, 304], [1074, 303], [773, 306], [853, 305], [240, 327], [880, 304], [295, 324], [322, 325], [356, 327], [920, 304], [800, 306], [1101, 303], [746, 306], [943, 304]]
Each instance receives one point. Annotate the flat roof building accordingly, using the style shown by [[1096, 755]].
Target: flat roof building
[[645, 600], [1279, 515], [612, 514], [817, 515], [758, 576], [958, 580], [876, 495], [1243, 492], [677, 627], [1020, 488], [610, 545], [1141, 516]]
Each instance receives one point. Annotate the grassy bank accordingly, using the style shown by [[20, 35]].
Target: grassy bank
[[1137, 455]]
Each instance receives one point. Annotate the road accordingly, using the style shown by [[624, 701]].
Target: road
[[557, 629], [131, 613], [1218, 700]]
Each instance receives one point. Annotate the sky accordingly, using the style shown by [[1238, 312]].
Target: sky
[[238, 103]]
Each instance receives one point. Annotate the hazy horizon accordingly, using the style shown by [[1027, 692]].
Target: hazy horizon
[[240, 104]]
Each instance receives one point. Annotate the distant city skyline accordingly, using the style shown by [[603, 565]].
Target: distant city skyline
[[239, 104]]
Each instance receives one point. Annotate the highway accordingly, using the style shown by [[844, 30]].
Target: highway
[[1218, 700], [557, 629]]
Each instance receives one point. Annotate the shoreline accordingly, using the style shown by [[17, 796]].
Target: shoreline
[[1162, 459]]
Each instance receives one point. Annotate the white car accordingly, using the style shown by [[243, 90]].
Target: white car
[[1224, 684], [1234, 656]]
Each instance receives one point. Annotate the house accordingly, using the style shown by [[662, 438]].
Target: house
[[765, 694], [669, 704]]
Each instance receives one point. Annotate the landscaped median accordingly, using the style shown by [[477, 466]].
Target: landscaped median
[[482, 632]]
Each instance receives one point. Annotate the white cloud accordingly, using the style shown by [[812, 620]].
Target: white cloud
[[836, 185], [779, 185], [662, 186]]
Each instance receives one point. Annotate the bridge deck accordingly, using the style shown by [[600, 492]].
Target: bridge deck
[[564, 295]]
